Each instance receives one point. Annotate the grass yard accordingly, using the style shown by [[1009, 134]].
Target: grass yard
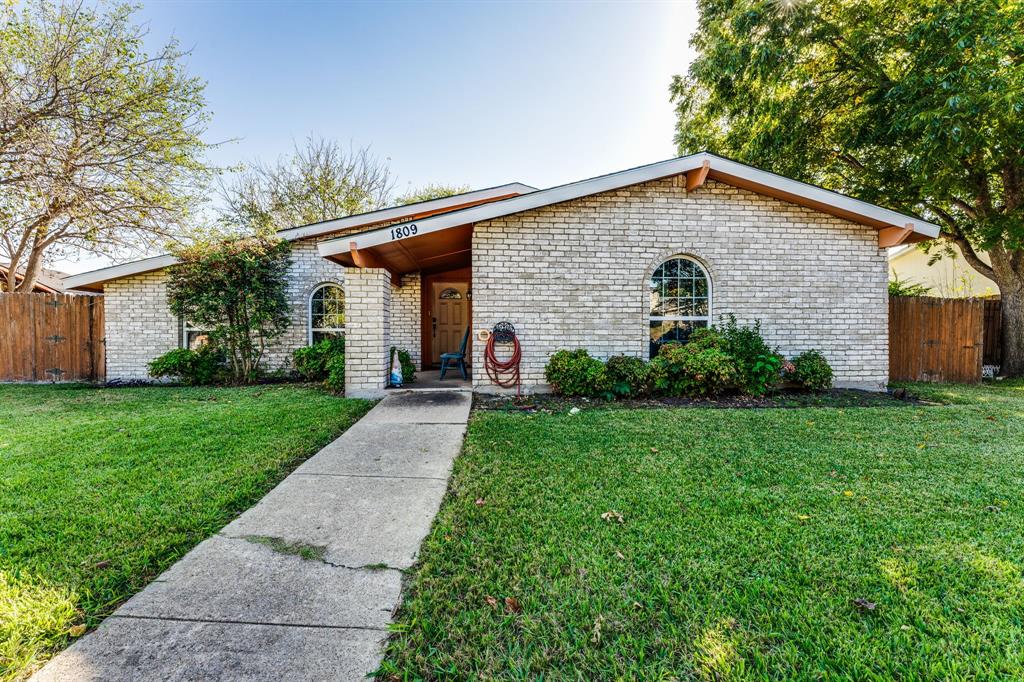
[[102, 489], [814, 543]]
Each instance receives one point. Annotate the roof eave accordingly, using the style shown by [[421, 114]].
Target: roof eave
[[706, 164]]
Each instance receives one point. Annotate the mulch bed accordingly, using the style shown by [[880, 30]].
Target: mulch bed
[[837, 398]]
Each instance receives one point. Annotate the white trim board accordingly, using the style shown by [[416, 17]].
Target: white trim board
[[97, 277], [397, 212], [622, 179]]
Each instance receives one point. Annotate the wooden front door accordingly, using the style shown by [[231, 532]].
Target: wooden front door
[[450, 317]]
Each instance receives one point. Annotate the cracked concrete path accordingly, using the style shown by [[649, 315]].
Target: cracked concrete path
[[303, 585]]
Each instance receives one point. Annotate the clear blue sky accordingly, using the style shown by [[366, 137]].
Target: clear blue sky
[[460, 93]]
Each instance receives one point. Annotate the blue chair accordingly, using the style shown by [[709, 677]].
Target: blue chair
[[457, 359]]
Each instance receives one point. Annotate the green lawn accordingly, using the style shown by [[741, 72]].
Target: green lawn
[[102, 489], [747, 537]]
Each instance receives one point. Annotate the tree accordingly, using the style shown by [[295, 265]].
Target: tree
[[319, 181], [236, 289], [431, 191], [100, 143], [914, 104]]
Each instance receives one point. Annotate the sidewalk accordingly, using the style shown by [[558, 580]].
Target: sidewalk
[[303, 585]]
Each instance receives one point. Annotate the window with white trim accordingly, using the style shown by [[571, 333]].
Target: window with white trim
[[326, 312], [680, 291]]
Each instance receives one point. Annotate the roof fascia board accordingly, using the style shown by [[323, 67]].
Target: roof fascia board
[[822, 195], [525, 202], [399, 212], [615, 181], [137, 267], [95, 277]]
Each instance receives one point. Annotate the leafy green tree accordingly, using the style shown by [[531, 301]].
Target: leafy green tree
[[100, 141], [319, 181], [431, 191], [236, 289], [913, 104]]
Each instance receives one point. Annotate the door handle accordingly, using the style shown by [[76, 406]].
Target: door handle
[[435, 327]]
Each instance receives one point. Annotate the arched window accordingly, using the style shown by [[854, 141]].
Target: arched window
[[326, 312], [451, 294], [680, 300]]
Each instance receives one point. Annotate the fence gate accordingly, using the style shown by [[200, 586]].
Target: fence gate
[[935, 339], [51, 337]]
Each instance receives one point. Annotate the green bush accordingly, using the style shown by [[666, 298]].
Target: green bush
[[336, 373], [405, 360], [574, 373], [200, 367], [757, 365], [311, 361], [703, 338], [627, 376], [694, 370], [811, 371]]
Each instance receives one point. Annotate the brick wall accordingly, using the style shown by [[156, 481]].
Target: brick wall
[[309, 270], [574, 275], [368, 333], [139, 327], [405, 315]]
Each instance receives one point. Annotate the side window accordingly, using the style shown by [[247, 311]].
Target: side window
[[680, 292], [326, 312], [193, 337]]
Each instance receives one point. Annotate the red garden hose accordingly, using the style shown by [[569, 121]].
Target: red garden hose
[[504, 373]]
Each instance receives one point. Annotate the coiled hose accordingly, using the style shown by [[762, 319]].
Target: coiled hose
[[504, 373]]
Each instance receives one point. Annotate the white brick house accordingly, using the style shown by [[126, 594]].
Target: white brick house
[[614, 264]]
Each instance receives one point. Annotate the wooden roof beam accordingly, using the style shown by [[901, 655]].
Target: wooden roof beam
[[698, 176], [894, 236], [368, 259]]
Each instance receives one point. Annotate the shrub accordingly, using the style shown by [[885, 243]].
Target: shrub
[[311, 361], [575, 373], [199, 367], [695, 370], [336, 373], [405, 360], [811, 371], [626, 376], [757, 365]]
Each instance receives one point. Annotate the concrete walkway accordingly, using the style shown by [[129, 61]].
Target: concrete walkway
[[303, 585]]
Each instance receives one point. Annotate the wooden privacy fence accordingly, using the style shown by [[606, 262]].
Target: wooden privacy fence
[[993, 353], [51, 337], [941, 339]]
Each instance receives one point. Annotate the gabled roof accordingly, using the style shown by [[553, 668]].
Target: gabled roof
[[94, 280], [901, 227]]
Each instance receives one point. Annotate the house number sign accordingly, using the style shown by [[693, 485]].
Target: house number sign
[[403, 231]]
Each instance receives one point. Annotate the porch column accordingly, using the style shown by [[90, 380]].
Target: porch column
[[367, 331]]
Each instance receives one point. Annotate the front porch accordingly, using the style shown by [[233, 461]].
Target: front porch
[[413, 293]]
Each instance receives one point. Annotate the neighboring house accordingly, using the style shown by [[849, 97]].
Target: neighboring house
[[48, 282], [615, 264], [948, 277]]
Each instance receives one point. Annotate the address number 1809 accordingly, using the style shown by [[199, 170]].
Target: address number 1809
[[403, 231]]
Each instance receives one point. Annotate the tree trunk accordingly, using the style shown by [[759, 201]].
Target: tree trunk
[[32, 270], [1008, 271]]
